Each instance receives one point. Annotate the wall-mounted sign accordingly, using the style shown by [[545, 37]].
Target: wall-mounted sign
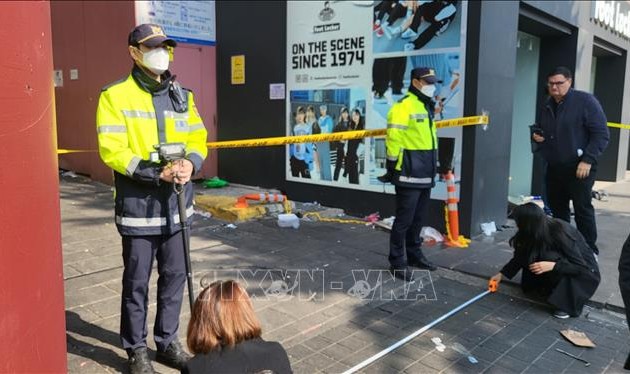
[[238, 69], [276, 91], [614, 15], [185, 21]]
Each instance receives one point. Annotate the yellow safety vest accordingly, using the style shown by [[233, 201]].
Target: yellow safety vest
[[129, 122], [412, 143]]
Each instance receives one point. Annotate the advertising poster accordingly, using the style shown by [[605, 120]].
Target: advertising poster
[[348, 62]]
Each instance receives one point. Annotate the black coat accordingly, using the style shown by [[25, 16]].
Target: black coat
[[624, 276], [574, 278], [578, 122], [250, 356]]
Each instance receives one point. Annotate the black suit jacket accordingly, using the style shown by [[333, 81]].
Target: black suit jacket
[[250, 356]]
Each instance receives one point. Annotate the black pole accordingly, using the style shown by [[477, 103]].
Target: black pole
[[183, 220]]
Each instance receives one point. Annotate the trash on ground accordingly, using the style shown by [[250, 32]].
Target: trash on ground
[[69, 174], [374, 217], [586, 363], [431, 236], [578, 338], [215, 182], [438, 344], [488, 228], [203, 213], [230, 226], [288, 220], [457, 347], [600, 195]]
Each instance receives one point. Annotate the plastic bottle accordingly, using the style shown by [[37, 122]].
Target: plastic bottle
[[288, 220]]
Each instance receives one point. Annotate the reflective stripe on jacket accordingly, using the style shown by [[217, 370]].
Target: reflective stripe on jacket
[[412, 142], [130, 120]]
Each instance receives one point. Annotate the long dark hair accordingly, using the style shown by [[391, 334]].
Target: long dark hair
[[357, 126], [537, 233]]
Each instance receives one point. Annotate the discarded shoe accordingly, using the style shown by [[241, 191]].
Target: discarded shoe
[[561, 314], [139, 362], [174, 356], [403, 273]]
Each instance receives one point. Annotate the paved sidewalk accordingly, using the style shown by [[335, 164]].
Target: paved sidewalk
[[335, 317]]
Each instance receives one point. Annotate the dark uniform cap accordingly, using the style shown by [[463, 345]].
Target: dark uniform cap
[[151, 35], [426, 74]]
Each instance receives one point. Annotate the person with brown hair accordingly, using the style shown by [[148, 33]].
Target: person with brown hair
[[225, 335]]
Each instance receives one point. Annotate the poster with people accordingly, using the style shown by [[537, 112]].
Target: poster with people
[[348, 63]]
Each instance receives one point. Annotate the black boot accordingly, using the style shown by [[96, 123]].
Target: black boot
[[174, 356], [627, 365], [139, 362], [421, 262]]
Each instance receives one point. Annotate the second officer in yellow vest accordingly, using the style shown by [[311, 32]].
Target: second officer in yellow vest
[[147, 108], [411, 166]]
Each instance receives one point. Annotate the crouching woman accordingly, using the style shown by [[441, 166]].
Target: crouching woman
[[555, 260], [224, 334]]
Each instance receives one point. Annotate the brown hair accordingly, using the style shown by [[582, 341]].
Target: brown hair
[[222, 316]]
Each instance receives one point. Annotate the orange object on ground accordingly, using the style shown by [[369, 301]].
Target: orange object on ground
[[262, 197], [453, 239]]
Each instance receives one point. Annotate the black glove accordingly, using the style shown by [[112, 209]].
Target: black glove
[[389, 175]]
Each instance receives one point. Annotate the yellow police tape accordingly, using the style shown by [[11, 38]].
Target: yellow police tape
[[345, 135], [338, 136], [619, 125]]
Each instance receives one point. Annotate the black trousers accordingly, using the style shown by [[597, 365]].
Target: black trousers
[[411, 206], [563, 186], [138, 255], [624, 277]]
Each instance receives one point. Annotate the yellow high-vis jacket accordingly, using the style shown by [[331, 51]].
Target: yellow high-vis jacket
[[133, 116], [411, 143]]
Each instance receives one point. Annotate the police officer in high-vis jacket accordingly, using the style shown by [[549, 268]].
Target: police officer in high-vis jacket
[[147, 108], [411, 166]]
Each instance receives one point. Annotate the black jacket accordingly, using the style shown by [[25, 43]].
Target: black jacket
[[624, 276], [250, 356], [576, 271], [576, 123]]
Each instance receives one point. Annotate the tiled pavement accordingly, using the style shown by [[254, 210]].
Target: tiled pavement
[[329, 323]]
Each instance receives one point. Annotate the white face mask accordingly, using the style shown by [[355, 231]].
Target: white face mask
[[428, 90], [156, 60]]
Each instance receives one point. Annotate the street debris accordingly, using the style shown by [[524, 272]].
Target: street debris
[[438, 344], [431, 236], [577, 338], [586, 363], [488, 228], [457, 347], [288, 220]]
